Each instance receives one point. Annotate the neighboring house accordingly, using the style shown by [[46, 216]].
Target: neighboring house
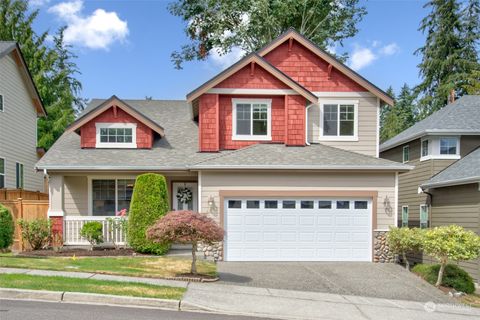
[[444, 187], [281, 149], [20, 107]]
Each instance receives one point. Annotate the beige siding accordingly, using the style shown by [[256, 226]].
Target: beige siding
[[367, 127], [18, 127], [76, 196], [383, 183]]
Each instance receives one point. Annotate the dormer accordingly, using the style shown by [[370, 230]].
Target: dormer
[[116, 125]]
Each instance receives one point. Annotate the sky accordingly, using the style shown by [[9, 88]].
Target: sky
[[124, 46]]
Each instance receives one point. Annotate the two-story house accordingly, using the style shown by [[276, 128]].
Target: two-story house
[[281, 149], [444, 186], [20, 107]]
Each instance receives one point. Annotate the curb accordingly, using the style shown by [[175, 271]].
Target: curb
[[89, 298]]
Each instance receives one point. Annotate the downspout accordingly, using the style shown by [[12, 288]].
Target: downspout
[[306, 125]]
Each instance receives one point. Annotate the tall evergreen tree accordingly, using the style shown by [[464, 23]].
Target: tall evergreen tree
[[400, 116], [448, 61], [51, 65], [471, 41]]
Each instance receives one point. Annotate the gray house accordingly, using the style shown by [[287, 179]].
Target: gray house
[[444, 187], [20, 107]]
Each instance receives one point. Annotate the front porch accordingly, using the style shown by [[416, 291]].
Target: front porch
[[78, 198]]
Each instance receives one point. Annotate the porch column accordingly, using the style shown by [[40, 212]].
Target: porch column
[[55, 208]]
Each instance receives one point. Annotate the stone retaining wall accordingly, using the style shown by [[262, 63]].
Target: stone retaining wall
[[212, 252]]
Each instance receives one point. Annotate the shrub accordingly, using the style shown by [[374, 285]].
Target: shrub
[[36, 232], [186, 227], [6, 228], [149, 203], [454, 276], [93, 232], [450, 243], [402, 241]]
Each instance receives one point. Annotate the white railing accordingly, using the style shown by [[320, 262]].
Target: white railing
[[73, 224]]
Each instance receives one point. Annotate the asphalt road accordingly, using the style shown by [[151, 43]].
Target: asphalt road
[[29, 310]]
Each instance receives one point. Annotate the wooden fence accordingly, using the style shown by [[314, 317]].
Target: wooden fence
[[27, 210], [14, 194]]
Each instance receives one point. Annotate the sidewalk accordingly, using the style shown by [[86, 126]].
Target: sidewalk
[[286, 304]]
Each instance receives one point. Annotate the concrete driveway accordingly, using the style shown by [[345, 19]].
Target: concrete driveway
[[387, 281]]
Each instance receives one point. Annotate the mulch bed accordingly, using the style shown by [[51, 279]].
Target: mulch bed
[[78, 252]]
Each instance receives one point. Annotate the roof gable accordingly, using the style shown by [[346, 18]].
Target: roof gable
[[11, 47], [255, 59], [117, 103]]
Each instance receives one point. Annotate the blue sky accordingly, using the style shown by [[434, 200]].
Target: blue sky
[[131, 56]]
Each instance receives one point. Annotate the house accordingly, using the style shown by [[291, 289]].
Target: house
[[444, 187], [20, 107], [281, 149]]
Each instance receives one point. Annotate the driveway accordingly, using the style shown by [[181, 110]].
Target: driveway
[[388, 281]]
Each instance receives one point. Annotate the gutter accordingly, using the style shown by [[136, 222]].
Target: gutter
[[449, 183]]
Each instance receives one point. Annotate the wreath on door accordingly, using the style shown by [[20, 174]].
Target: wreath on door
[[184, 195]]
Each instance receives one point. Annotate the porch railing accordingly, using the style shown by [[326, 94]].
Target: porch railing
[[72, 226]]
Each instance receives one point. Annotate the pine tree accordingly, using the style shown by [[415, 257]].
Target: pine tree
[[400, 116], [471, 40]]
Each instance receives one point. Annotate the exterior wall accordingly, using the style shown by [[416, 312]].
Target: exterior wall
[[295, 122], [88, 131], [367, 127], [208, 122], [260, 79], [18, 127], [75, 199], [458, 205], [383, 183], [309, 70]]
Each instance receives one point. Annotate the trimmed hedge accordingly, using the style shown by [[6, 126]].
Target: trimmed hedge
[[7, 228], [454, 276], [149, 203]]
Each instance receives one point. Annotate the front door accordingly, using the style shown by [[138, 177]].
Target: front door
[[184, 196]]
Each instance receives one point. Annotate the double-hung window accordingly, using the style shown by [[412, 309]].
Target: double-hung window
[[252, 119], [424, 148], [19, 175], [406, 154], [423, 216], [111, 195], [1, 102], [405, 216], [339, 120], [448, 146], [2, 173], [116, 135]]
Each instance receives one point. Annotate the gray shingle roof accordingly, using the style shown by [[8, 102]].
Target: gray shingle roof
[[465, 170], [461, 116], [178, 150]]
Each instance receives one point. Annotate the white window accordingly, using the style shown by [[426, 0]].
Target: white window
[[425, 148], [19, 176], [339, 120], [405, 216], [1, 103], [111, 195], [406, 154], [448, 146], [116, 135], [423, 216], [2, 173], [252, 119]]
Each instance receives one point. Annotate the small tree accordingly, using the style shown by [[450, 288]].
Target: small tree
[[116, 224], [7, 228], [36, 232], [186, 227], [93, 232], [401, 241], [149, 203], [450, 243]]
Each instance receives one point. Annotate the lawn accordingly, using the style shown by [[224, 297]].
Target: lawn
[[148, 267], [472, 300], [23, 281]]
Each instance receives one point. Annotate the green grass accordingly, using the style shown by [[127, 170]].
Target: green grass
[[454, 276], [472, 300], [149, 267], [22, 281]]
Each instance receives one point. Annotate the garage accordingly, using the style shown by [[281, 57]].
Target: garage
[[298, 229]]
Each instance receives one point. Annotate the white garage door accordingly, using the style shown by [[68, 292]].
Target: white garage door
[[298, 229]]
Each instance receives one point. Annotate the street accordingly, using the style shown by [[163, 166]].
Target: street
[[33, 310]]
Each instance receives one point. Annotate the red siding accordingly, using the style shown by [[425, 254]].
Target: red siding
[[208, 122], [309, 70], [88, 130], [261, 79], [295, 120], [57, 225]]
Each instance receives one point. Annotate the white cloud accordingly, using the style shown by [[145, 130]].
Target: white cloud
[[390, 49], [361, 57], [226, 60], [38, 3], [332, 49], [96, 31]]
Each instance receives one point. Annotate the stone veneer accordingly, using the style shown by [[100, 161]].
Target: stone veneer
[[212, 251], [381, 252]]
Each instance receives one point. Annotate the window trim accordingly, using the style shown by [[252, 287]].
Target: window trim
[[17, 184], [434, 148], [251, 137], [4, 174], [407, 147], [422, 148], [420, 215], [2, 97], [116, 125], [90, 190], [355, 120], [405, 223]]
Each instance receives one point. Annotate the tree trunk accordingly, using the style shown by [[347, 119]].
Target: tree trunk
[[407, 264], [193, 269], [440, 273]]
